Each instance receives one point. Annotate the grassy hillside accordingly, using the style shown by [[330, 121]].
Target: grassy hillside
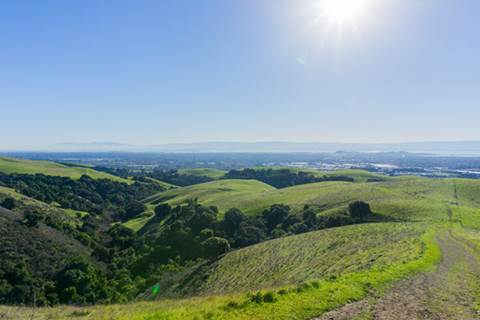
[[400, 199], [316, 255], [357, 175], [370, 258], [396, 197], [204, 172], [23, 203], [224, 194], [303, 276], [11, 165]]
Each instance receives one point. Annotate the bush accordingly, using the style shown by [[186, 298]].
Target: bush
[[298, 228], [278, 233], [275, 215], [269, 297], [257, 298], [32, 218], [215, 246], [359, 210], [162, 211], [232, 220], [8, 203]]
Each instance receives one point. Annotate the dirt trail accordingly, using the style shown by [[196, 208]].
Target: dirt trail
[[445, 294]]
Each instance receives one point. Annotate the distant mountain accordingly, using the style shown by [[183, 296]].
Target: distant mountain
[[454, 148], [89, 147]]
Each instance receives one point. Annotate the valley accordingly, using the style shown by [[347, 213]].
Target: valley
[[318, 261]]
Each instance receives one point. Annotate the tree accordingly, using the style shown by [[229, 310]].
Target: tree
[[249, 234], [202, 218], [8, 203], [310, 218], [122, 237], [275, 215], [162, 211], [298, 228], [215, 246], [232, 220], [359, 210], [79, 282], [32, 218], [133, 209]]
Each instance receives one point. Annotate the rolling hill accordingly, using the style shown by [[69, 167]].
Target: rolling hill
[[303, 276], [222, 193], [21, 166], [204, 172], [389, 197]]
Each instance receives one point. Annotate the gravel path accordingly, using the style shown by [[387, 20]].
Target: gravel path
[[445, 294]]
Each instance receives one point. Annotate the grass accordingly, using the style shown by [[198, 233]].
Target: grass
[[309, 274], [357, 175], [20, 166], [416, 252], [224, 194], [315, 255], [389, 196], [203, 172]]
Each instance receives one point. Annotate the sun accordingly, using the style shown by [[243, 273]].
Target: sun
[[341, 12]]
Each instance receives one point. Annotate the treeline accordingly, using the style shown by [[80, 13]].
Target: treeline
[[194, 231], [282, 178], [278, 178], [175, 178], [85, 194]]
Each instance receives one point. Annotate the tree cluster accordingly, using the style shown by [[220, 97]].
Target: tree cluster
[[84, 194], [282, 178]]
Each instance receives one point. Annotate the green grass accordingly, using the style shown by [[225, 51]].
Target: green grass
[[316, 255], [203, 172], [409, 249], [356, 175], [163, 184], [315, 272], [224, 194], [401, 198], [389, 196], [20, 166]]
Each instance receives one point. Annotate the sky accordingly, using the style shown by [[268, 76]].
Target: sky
[[167, 71]]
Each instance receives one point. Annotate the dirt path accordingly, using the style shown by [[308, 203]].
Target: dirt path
[[446, 294]]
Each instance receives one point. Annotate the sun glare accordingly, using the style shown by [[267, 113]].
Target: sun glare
[[340, 12]]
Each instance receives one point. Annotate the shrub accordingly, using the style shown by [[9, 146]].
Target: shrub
[[8, 203], [162, 211], [269, 297], [32, 218], [257, 298], [215, 246], [359, 210]]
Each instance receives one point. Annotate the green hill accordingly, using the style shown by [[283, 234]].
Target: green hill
[[303, 276], [20, 166], [356, 175], [203, 172], [223, 194], [311, 256], [252, 196]]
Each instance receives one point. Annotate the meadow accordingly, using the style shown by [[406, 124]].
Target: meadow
[[20, 166]]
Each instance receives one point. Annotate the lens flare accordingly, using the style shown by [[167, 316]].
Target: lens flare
[[338, 13]]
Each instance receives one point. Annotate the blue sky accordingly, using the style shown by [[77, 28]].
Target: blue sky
[[160, 71]]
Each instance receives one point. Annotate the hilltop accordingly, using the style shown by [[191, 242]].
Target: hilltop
[[21, 166]]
